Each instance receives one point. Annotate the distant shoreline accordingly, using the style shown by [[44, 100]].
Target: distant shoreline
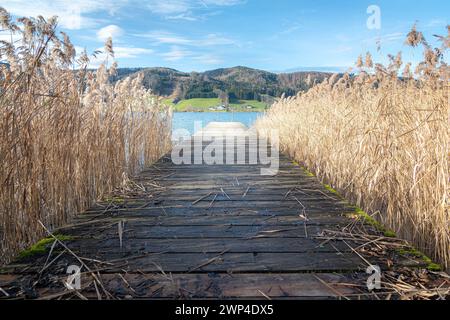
[[216, 105], [209, 111]]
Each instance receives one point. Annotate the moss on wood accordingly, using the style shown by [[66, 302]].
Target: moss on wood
[[42, 246]]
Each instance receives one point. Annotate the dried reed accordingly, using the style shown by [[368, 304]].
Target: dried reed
[[381, 140], [67, 135]]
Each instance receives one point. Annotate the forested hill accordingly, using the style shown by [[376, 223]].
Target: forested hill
[[238, 82]]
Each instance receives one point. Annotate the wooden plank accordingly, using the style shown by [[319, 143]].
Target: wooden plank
[[278, 262], [132, 232], [160, 170], [228, 173], [139, 246], [240, 262], [223, 286], [209, 220], [239, 186], [308, 204], [218, 196], [237, 286], [163, 210], [245, 179], [249, 286], [252, 193], [256, 184], [233, 196]]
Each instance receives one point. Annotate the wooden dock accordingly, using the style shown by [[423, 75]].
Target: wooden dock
[[211, 231]]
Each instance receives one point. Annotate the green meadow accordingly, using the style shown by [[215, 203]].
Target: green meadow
[[213, 105]]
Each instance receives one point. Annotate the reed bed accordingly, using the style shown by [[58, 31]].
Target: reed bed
[[382, 140], [68, 136]]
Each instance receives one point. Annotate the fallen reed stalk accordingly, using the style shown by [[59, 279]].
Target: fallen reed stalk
[[381, 140], [68, 136]]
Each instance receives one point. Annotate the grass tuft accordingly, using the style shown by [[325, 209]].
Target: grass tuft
[[42, 246], [330, 189], [115, 200], [305, 170], [412, 252]]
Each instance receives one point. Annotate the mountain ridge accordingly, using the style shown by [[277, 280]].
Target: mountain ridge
[[238, 82]]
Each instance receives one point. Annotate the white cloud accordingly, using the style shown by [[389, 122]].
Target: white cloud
[[176, 53], [183, 16], [291, 29], [183, 9], [119, 53], [79, 50], [75, 14], [72, 14], [130, 52], [215, 40], [343, 49], [7, 36], [112, 31], [222, 2], [436, 23], [386, 38], [343, 37], [208, 59], [169, 6], [179, 44], [163, 37]]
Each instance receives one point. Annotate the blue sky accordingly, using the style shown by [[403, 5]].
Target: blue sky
[[266, 34]]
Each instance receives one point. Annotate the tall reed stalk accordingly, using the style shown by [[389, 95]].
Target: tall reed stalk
[[381, 140], [67, 135]]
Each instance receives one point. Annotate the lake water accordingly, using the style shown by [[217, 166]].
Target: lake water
[[186, 120]]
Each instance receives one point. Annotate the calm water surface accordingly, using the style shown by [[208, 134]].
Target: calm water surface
[[186, 120]]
